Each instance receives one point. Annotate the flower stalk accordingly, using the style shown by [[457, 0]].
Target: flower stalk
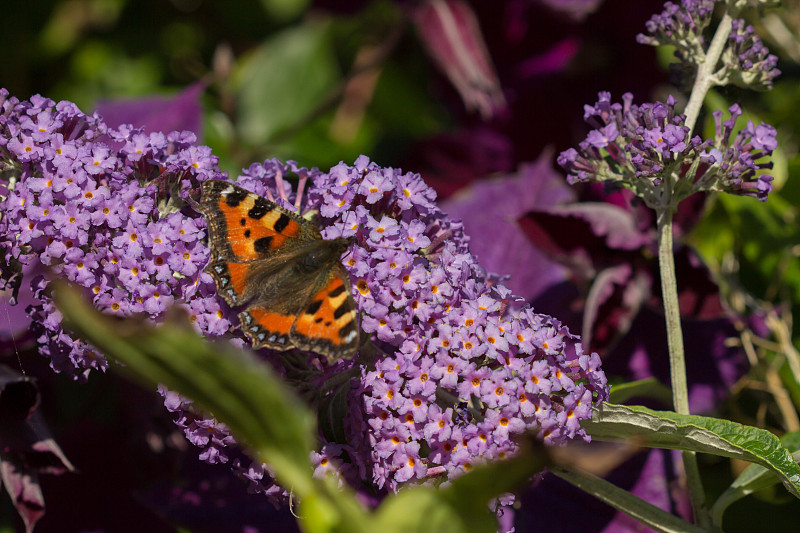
[[677, 363], [705, 73]]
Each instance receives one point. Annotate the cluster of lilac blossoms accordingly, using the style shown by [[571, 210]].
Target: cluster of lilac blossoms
[[463, 371], [745, 61], [93, 206], [460, 370], [641, 146]]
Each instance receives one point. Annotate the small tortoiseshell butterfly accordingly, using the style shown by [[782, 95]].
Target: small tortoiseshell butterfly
[[291, 282]]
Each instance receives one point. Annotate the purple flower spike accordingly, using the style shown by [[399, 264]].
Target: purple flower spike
[[745, 61], [460, 368], [652, 145], [80, 206]]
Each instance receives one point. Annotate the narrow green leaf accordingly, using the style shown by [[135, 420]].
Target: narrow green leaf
[[231, 384], [754, 478], [666, 429], [334, 509], [622, 500], [646, 388]]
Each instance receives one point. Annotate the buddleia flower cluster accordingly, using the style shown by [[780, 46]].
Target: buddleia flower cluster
[[457, 368], [635, 146], [464, 370], [745, 61], [82, 203]]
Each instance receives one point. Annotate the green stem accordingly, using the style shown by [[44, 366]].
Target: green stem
[[705, 72], [677, 365], [669, 289]]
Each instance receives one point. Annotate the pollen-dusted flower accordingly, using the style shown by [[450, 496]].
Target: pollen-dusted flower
[[652, 148]]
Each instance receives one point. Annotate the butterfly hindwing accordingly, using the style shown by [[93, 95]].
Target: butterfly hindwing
[[328, 324], [296, 292], [267, 329]]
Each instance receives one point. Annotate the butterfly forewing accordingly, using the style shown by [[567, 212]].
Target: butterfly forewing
[[245, 227]]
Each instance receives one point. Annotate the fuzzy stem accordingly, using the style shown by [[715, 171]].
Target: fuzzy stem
[[705, 71], [677, 365], [669, 289]]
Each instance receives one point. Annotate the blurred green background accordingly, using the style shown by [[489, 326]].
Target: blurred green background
[[276, 71]]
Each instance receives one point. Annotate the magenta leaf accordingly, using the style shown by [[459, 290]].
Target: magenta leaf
[[181, 112], [26, 448]]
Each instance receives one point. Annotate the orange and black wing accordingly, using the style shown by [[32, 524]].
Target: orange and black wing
[[320, 318], [244, 228], [329, 323]]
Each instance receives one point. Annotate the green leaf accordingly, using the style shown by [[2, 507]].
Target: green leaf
[[284, 81], [622, 500], [462, 505], [754, 478], [267, 416], [666, 429], [332, 410], [231, 384], [645, 388], [283, 10]]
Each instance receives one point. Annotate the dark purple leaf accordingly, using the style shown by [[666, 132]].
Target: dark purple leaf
[[553, 60], [22, 484], [489, 210], [712, 366], [158, 113], [454, 160], [575, 9], [651, 475], [26, 449], [451, 34]]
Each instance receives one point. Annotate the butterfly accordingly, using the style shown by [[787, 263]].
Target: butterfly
[[294, 289]]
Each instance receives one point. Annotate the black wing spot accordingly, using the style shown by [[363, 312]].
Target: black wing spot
[[263, 245], [243, 222], [281, 223], [341, 311], [336, 292], [234, 198], [314, 307], [247, 234], [260, 209], [318, 320]]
